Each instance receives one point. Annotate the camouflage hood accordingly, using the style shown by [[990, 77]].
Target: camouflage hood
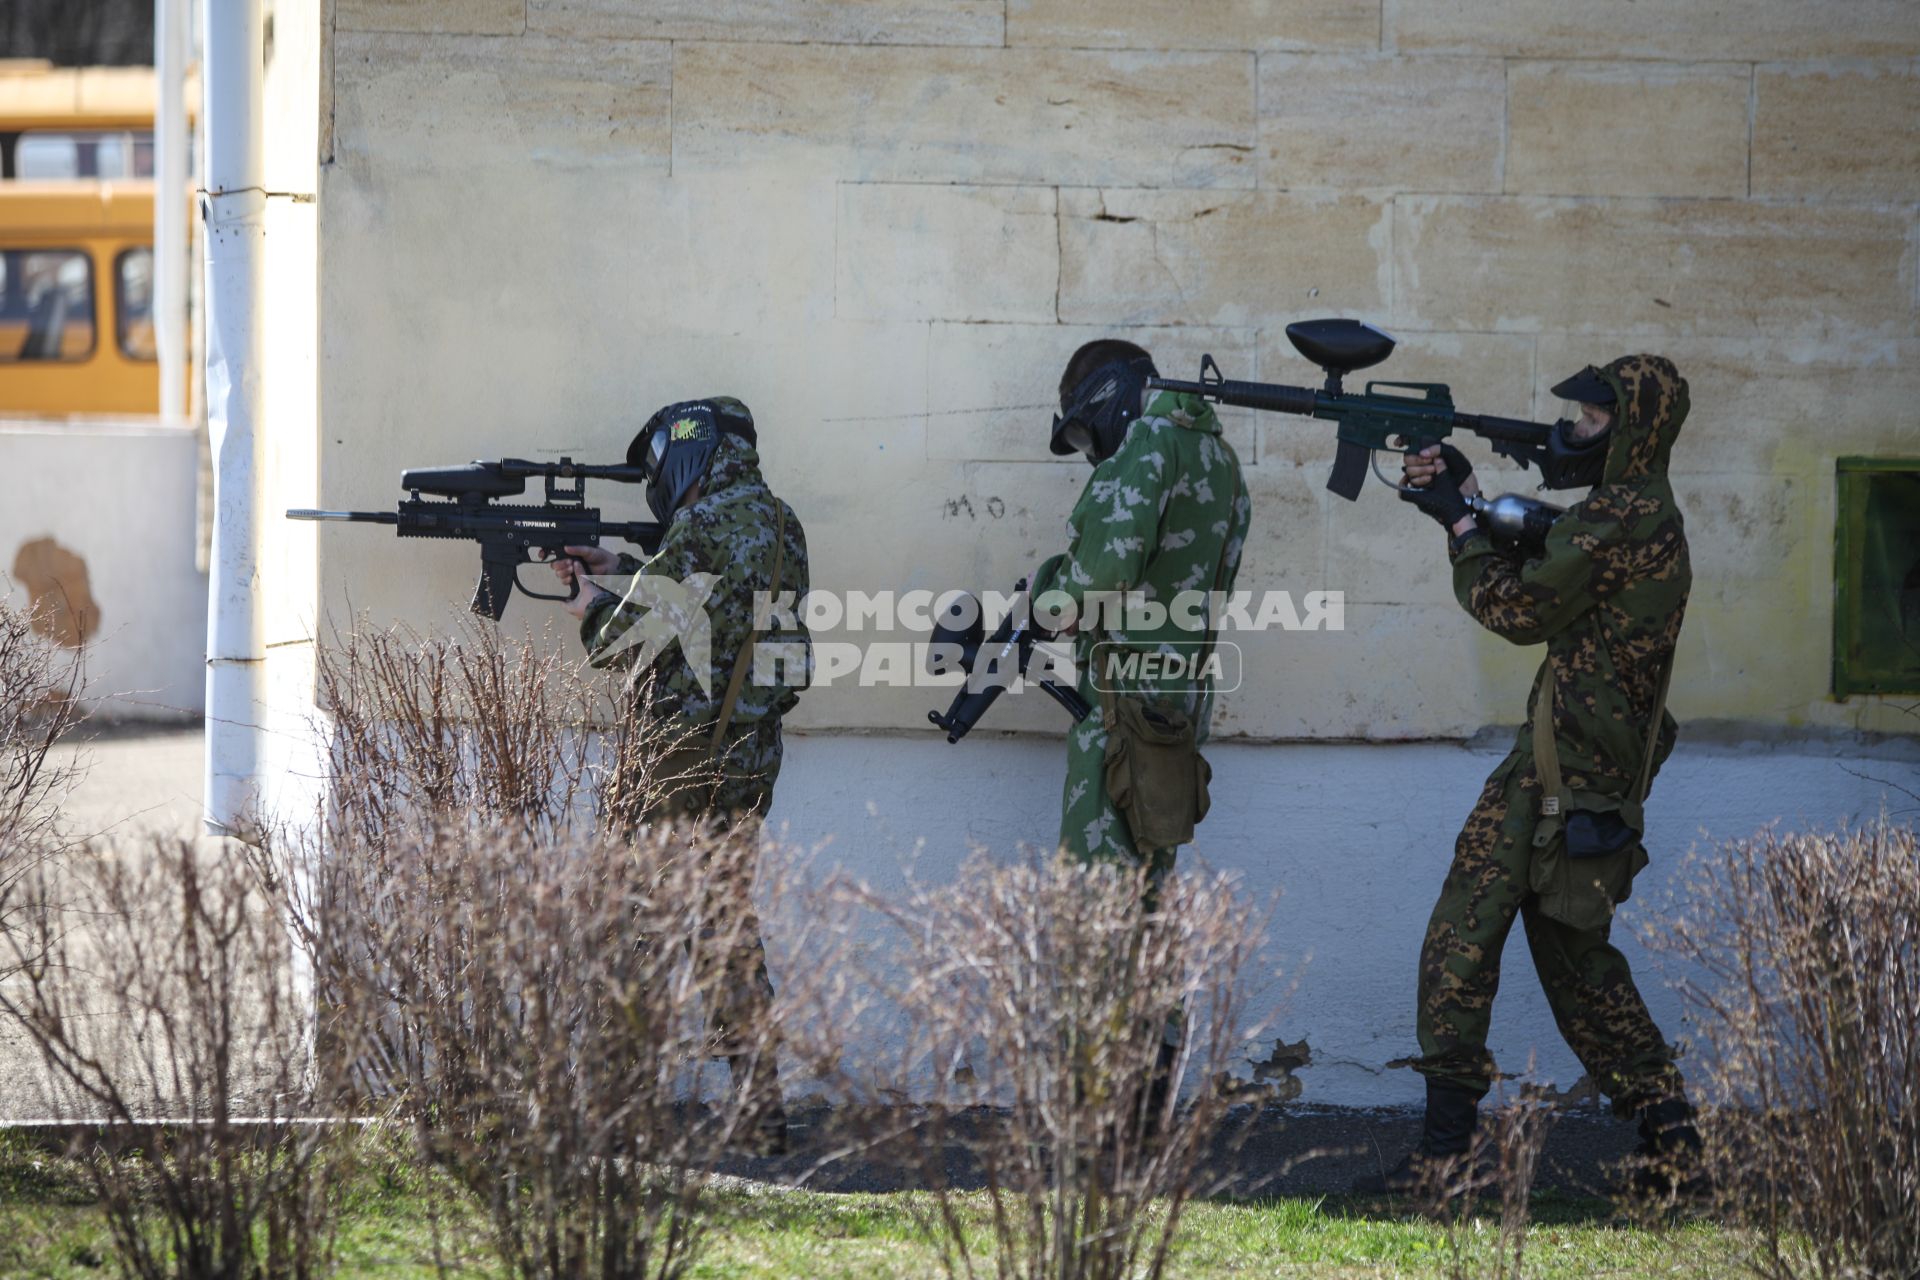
[[735, 463], [1653, 404]]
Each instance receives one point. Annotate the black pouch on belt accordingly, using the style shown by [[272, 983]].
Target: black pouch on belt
[[1597, 834]]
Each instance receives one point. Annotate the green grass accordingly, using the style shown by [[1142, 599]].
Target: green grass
[[395, 1220]]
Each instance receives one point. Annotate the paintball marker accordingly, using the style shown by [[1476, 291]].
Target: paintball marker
[[1515, 523], [461, 505], [1419, 413], [957, 642]]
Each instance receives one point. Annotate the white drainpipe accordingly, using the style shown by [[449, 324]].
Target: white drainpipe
[[169, 210], [234, 207]]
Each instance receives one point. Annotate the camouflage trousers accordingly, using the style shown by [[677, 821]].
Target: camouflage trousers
[[1091, 829], [1587, 981], [739, 797]]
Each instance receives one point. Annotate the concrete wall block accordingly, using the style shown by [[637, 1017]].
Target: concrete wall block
[[1849, 133], [1742, 30], [1667, 267], [1038, 116], [921, 22], [1486, 372], [993, 388], [1218, 258], [1627, 129], [1380, 123], [1749, 539], [1197, 24], [412, 102], [910, 252], [434, 17]]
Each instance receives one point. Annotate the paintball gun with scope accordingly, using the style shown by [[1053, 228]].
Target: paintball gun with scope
[[1416, 414], [461, 504], [958, 643]]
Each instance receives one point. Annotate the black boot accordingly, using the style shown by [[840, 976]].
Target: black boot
[[1668, 1163], [1441, 1157]]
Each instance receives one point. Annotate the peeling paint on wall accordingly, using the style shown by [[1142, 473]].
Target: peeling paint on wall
[[60, 597]]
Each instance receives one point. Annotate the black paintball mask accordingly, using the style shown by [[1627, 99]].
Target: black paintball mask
[[675, 450], [1094, 416], [1572, 463]]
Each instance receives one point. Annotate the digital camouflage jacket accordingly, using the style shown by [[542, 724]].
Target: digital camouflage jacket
[[1606, 595], [1156, 518], [728, 533]]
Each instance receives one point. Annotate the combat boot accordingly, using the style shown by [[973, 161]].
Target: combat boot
[[1669, 1162], [1441, 1160]]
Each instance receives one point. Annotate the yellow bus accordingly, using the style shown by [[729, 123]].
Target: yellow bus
[[76, 241]]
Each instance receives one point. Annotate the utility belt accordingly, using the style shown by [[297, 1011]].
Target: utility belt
[[1586, 846]]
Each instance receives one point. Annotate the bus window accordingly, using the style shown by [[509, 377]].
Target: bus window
[[83, 154], [133, 303], [46, 305]]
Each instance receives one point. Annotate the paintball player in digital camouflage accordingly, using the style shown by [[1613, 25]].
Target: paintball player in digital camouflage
[[1166, 511], [1556, 835], [726, 528]]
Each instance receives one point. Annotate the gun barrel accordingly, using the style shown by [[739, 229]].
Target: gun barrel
[[354, 517], [1271, 397]]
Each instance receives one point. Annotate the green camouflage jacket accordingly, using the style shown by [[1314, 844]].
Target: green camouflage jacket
[[727, 534], [1157, 517], [1606, 595]]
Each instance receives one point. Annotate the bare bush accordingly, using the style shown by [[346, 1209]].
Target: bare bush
[[512, 961], [420, 727], [39, 704], [1498, 1168], [173, 1042], [1086, 1012], [536, 1006], [1804, 979]]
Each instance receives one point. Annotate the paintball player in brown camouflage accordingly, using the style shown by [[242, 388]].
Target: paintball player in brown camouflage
[[1555, 838], [728, 541]]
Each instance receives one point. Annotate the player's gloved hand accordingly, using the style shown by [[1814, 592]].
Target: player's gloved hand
[[1417, 469], [1440, 498]]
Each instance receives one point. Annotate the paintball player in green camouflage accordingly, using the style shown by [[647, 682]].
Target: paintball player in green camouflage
[[1556, 835], [1165, 512], [728, 540]]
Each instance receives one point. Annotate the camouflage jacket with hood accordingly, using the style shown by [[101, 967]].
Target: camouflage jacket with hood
[[726, 532], [1168, 513], [1606, 596]]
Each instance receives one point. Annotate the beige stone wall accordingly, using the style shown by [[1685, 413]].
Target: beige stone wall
[[885, 224]]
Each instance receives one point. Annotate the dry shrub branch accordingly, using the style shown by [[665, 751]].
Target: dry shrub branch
[[1804, 953], [512, 965], [170, 1032], [1065, 1023], [39, 703]]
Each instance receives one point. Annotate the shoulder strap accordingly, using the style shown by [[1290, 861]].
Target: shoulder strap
[[1546, 753], [745, 657]]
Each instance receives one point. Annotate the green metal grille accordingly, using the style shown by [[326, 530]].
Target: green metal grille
[[1876, 577]]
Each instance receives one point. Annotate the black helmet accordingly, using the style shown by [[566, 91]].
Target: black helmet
[[1097, 408], [676, 447]]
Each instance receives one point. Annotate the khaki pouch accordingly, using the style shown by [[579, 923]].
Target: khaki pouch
[[1155, 774]]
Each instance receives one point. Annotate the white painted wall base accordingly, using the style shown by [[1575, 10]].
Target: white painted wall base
[[120, 495], [1356, 839]]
